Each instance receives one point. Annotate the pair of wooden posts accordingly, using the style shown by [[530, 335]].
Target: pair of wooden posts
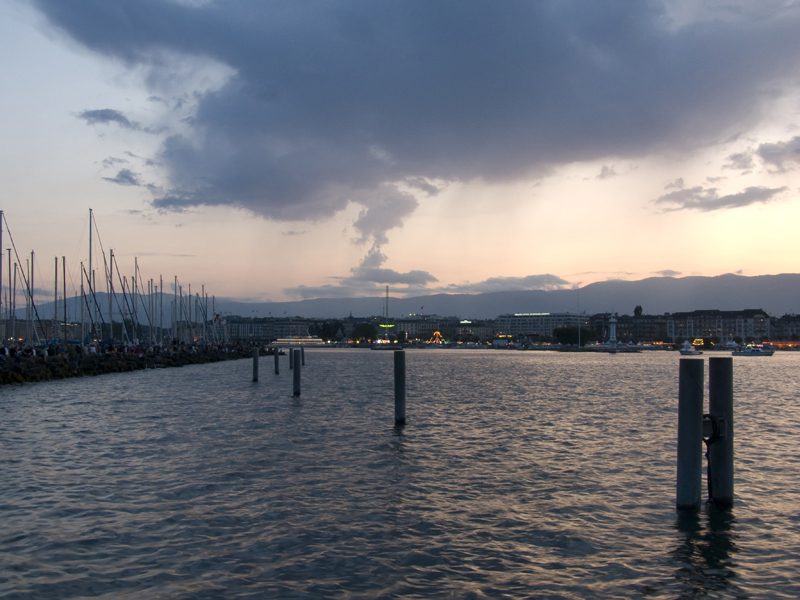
[[714, 429], [297, 357]]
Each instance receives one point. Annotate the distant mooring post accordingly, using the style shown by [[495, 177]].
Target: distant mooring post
[[291, 359], [297, 370], [720, 439], [255, 363], [690, 433], [302, 356], [400, 387], [276, 351]]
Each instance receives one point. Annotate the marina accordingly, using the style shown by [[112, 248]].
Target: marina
[[518, 474], [84, 316]]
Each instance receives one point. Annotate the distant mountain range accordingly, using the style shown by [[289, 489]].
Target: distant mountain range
[[776, 294]]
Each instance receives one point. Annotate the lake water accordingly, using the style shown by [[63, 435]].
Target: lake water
[[518, 475]]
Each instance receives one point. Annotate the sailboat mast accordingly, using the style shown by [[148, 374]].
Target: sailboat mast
[[5, 333], [150, 305], [134, 292], [175, 310], [10, 310], [95, 308], [27, 275], [55, 302], [83, 314], [214, 311], [64, 285], [91, 273], [14, 305], [30, 293], [137, 324], [110, 284]]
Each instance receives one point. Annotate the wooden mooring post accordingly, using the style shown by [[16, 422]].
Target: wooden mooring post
[[690, 433], [400, 387], [276, 353], [297, 371], [255, 364], [720, 438]]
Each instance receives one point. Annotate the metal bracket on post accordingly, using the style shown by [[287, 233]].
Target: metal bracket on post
[[713, 428]]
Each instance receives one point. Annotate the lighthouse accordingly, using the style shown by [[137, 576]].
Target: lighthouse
[[612, 330]]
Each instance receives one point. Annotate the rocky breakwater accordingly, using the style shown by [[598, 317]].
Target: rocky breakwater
[[44, 364]]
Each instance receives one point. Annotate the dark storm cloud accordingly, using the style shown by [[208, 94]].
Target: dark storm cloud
[[423, 185], [365, 281], [390, 276], [112, 161], [607, 172], [331, 101], [105, 116], [741, 161], [708, 199], [677, 184], [778, 154], [125, 177]]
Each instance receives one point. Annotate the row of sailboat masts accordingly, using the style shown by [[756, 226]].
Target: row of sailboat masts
[[135, 308], [188, 324]]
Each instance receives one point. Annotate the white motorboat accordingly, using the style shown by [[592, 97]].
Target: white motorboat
[[753, 351], [689, 350]]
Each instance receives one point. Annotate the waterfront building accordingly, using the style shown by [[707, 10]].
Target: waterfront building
[[538, 324], [468, 328], [265, 329], [748, 324], [418, 327], [787, 328], [642, 328]]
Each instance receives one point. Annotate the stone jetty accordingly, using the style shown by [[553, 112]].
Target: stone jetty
[[53, 362]]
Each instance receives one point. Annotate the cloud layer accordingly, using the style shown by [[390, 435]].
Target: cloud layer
[[708, 199], [316, 106], [365, 282], [332, 100]]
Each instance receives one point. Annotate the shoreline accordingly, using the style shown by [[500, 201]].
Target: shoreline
[[26, 368]]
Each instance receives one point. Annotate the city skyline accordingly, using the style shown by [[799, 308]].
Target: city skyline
[[276, 152]]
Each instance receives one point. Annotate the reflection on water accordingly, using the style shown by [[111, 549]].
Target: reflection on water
[[517, 475], [706, 551]]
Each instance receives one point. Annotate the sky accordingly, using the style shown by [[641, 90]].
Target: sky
[[288, 150]]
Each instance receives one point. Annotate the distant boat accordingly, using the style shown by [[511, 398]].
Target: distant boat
[[689, 350], [753, 351]]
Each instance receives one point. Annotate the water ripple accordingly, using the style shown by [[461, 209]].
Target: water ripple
[[519, 474]]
